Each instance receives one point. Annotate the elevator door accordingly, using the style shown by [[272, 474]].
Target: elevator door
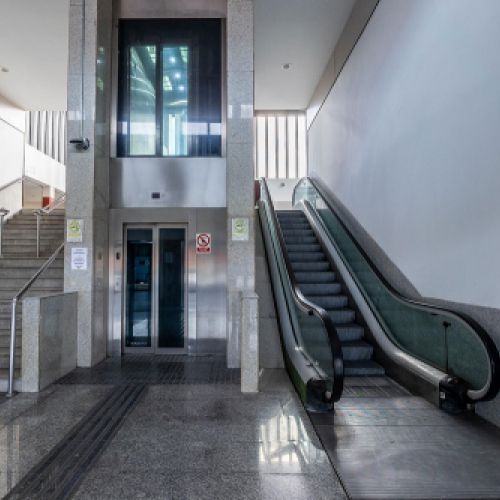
[[155, 294]]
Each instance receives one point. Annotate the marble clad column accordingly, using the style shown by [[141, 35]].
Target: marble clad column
[[87, 172], [240, 187]]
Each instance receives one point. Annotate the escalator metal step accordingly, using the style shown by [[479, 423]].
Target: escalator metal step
[[365, 368], [317, 290], [315, 277]]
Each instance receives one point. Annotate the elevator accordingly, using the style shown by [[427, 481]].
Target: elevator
[[155, 293]]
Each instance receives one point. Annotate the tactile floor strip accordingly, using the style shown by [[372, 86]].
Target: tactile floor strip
[[61, 471], [156, 370]]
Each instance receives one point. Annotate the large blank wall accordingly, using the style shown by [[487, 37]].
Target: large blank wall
[[409, 141]]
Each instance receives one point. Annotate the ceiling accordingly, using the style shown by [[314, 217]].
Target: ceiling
[[302, 33], [34, 48]]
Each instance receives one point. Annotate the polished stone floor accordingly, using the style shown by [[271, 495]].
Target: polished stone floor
[[171, 427], [388, 444], [199, 438]]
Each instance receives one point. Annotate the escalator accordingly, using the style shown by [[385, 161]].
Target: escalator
[[340, 318]]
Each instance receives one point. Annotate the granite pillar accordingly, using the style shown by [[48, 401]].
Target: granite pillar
[[87, 172], [240, 185]]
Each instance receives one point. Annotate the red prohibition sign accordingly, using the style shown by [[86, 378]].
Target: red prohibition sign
[[203, 240]]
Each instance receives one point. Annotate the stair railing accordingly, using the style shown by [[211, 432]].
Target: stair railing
[[40, 212], [13, 320], [3, 212]]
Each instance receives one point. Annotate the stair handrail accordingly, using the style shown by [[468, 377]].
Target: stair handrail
[[310, 308], [13, 320], [3, 213], [493, 384], [47, 210]]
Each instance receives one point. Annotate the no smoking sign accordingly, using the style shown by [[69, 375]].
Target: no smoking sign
[[203, 243]]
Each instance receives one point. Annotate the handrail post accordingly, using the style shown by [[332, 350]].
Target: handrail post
[[12, 351], [3, 213], [37, 234]]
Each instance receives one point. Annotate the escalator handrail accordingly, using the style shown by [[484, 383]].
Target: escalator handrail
[[481, 333], [309, 307]]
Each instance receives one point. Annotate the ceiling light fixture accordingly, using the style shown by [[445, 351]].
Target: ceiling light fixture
[[286, 66]]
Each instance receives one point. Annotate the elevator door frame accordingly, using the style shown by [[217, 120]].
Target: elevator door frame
[[154, 349]]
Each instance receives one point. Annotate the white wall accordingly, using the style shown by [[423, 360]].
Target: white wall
[[44, 169], [409, 141], [12, 126]]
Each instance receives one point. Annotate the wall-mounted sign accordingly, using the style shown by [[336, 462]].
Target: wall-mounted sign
[[203, 243], [79, 259], [240, 229], [74, 230]]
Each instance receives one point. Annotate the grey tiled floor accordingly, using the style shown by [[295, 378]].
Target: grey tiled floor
[[32, 424], [196, 437], [212, 442], [191, 434]]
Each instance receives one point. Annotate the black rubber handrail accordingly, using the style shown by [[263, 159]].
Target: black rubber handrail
[[310, 307], [481, 333]]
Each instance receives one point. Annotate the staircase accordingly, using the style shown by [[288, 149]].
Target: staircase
[[18, 265], [318, 282]]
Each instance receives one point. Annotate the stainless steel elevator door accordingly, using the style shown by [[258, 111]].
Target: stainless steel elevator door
[[155, 289]]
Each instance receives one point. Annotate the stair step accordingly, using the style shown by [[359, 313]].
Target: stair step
[[297, 232], [6, 295], [365, 368], [314, 290], [26, 273], [5, 324], [295, 248], [315, 277], [300, 240], [42, 282], [307, 257], [29, 262], [283, 214], [350, 332], [311, 266], [357, 350], [294, 225], [342, 316], [329, 301]]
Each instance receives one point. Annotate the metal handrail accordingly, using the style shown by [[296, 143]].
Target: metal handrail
[[19, 295], [311, 308], [490, 348], [3, 213], [40, 212]]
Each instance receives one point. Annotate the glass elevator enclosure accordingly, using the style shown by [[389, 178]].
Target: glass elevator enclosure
[[170, 88]]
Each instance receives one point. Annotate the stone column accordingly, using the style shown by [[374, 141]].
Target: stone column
[[87, 171], [240, 188]]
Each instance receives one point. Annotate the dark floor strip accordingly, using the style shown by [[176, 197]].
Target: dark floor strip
[[156, 370], [58, 475]]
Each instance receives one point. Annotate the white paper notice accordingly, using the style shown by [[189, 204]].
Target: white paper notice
[[79, 258]]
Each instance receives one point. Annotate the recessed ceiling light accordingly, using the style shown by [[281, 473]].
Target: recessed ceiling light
[[3, 69], [286, 66]]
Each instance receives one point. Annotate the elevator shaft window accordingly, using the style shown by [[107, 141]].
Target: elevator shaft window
[[170, 88]]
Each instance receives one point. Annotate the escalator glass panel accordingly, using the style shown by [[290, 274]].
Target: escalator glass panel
[[444, 341]]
